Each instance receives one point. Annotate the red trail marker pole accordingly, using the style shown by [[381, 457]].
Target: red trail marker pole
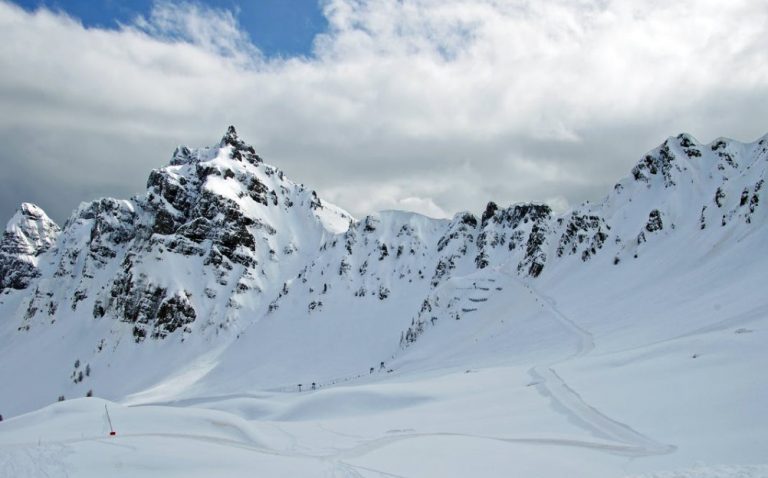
[[111, 430]]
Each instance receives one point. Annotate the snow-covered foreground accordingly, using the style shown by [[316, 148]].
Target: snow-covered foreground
[[657, 383]]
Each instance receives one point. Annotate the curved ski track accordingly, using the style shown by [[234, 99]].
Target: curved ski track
[[550, 384]]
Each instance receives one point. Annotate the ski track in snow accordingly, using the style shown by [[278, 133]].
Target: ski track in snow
[[378, 443], [567, 400], [717, 471]]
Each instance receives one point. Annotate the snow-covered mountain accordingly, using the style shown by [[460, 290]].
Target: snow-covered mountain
[[226, 278]]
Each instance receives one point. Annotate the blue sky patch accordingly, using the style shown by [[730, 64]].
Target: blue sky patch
[[276, 27]]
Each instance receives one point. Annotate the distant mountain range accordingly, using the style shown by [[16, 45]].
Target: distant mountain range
[[225, 262]]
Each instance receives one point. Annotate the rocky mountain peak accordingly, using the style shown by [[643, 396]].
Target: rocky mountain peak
[[240, 149], [230, 137], [490, 210], [29, 233]]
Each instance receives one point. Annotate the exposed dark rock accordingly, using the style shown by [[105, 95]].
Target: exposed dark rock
[[654, 221], [178, 192], [164, 223], [535, 257], [315, 203], [98, 310], [728, 159], [693, 153], [369, 224], [744, 197], [240, 150], [78, 296], [258, 191], [344, 267], [522, 213], [652, 165], [197, 230], [718, 144], [481, 261], [588, 230], [490, 210], [719, 196], [172, 314], [685, 140], [469, 220], [182, 155], [383, 252], [444, 266], [462, 227]]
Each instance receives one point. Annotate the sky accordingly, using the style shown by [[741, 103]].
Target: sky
[[434, 106], [279, 28]]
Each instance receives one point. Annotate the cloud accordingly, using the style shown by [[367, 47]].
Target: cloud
[[434, 106], [211, 30]]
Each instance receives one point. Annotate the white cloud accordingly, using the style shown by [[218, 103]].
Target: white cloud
[[558, 204], [425, 206], [381, 197], [435, 106], [214, 31]]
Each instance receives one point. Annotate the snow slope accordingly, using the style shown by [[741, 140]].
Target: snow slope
[[625, 337]]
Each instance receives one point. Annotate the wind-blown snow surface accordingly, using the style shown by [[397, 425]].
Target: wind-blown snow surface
[[626, 337]]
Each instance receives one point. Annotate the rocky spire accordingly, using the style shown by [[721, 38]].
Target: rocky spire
[[230, 137], [240, 149]]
